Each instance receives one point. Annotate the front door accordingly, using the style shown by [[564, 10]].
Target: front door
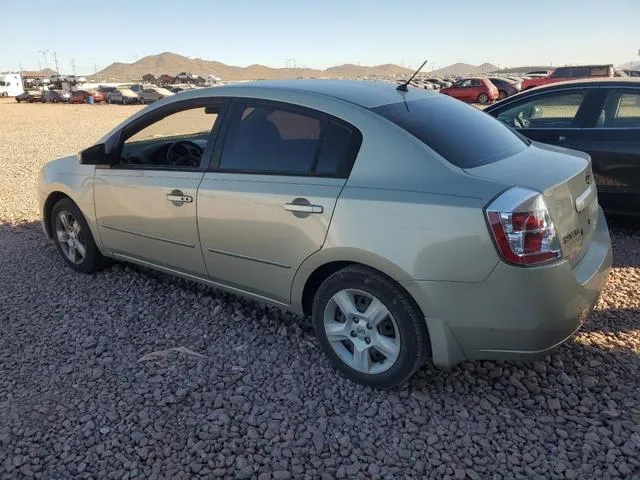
[[268, 204], [553, 117], [146, 204]]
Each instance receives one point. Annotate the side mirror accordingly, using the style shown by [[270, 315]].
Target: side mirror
[[94, 155]]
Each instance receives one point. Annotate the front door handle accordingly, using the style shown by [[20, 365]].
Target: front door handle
[[178, 198], [302, 208]]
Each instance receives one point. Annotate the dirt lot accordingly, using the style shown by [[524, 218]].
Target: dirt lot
[[77, 401]]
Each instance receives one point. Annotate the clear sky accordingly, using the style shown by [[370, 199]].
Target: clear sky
[[320, 33]]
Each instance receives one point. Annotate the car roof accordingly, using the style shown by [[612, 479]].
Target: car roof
[[595, 81], [367, 94], [567, 85]]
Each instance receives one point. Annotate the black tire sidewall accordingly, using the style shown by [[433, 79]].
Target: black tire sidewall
[[93, 260], [411, 324]]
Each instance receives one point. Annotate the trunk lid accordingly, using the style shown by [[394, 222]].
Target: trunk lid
[[565, 179]]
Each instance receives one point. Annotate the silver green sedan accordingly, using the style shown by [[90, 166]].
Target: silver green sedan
[[408, 225]]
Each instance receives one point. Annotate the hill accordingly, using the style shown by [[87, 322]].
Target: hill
[[46, 73], [172, 64], [463, 69]]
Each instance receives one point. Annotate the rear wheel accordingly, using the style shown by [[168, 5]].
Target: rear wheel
[[369, 327], [73, 238], [483, 98], [142, 101]]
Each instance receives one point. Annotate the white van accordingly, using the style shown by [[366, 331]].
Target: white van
[[10, 84]]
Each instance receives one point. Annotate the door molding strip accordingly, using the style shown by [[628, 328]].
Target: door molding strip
[[152, 237], [247, 257], [200, 279]]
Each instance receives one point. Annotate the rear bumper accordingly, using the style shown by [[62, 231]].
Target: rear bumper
[[516, 313]]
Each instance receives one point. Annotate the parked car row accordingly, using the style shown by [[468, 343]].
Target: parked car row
[[126, 95]]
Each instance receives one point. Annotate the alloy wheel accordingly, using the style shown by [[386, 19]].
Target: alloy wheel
[[71, 237], [362, 331]]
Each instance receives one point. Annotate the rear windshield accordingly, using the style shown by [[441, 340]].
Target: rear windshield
[[463, 135]]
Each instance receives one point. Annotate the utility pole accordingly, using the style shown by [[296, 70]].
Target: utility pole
[[55, 59], [73, 66], [44, 55]]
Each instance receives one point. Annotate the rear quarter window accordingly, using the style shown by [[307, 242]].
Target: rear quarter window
[[463, 135]]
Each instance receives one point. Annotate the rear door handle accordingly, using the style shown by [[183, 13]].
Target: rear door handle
[[296, 207], [178, 197]]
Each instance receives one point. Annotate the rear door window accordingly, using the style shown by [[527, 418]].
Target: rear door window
[[463, 135], [621, 109], [276, 139]]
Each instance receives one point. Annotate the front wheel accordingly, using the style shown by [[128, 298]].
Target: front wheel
[[369, 327], [73, 238], [502, 94], [142, 101], [483, 99]]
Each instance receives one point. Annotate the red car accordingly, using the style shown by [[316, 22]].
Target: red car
[[562, 74], [479, 90], [80, 96]]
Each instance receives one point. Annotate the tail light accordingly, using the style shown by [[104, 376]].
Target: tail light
[[522, 228]]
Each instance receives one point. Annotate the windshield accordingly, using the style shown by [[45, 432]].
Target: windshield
[[463, 135]]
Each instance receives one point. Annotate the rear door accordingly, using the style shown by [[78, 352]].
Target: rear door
[[463, 90], [267, 203], [612, 138]]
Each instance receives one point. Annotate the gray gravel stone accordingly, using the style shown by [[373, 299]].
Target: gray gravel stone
[[263, 402]]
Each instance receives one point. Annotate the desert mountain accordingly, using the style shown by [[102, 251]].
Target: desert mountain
[[172, 64], [464, 69]]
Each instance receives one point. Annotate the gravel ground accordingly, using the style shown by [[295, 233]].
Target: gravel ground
[[240, 391]]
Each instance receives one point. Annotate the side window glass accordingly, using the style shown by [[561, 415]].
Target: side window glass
[[176, 140], [465, 83], [271, 140], [339, 150], [621, 110], [556, 110]]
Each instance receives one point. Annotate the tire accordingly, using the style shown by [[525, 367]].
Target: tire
[[17, 100], [502, 94], [483, 99], [402, 330], [109, 100], [92, 260], [142, 101]]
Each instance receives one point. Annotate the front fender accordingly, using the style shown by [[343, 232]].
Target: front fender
[[66, 177]]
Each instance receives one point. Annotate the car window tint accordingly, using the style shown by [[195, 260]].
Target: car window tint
[[150, 145], [271, 139], [553, 110], [441, 123], [621, 110], [339, 149], [476, 83]]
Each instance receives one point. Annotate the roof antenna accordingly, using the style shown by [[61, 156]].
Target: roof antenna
[[403, 86]]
